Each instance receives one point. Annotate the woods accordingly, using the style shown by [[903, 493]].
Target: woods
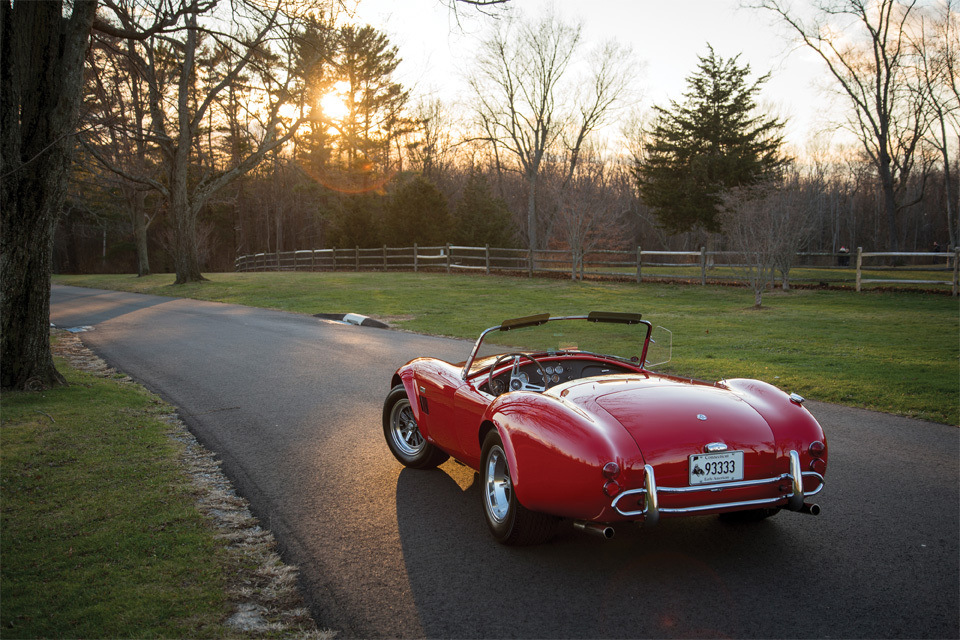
[[185, 133]]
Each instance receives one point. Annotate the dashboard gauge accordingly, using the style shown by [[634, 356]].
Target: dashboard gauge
[[557, 369], [555, 378], [549, 370]]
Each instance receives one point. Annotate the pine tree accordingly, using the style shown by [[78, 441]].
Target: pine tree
[[417, 212], [716, 140], [481, 218]]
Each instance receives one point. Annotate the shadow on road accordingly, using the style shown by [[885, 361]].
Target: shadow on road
[[682, 579]]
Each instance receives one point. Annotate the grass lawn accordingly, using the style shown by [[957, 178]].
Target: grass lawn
[[100, 535], [893, 352]]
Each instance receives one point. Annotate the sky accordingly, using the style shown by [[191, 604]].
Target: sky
[[666, 37]]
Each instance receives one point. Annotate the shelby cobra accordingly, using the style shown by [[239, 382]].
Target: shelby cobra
[[560, 429]]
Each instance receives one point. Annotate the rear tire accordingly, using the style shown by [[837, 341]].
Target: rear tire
[[509, 521], [403, 435]]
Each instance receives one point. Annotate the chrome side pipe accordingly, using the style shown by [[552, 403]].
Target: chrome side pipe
[[603, 530], [810, 509]]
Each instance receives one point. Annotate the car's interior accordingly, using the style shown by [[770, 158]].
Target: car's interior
[[521, 371]]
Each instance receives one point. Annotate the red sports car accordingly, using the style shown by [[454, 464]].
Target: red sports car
[[560, 428]]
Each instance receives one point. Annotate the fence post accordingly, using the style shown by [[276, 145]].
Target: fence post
[[639, 256], [703, 266], [415, 257], [384, 258], [486, 257], [530, 263], [333, 259], [859, 265], [356, 258], [573, 264], [313, 255], [956, 272], [448, 257]]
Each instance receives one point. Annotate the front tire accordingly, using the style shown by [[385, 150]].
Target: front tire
[[403, 435], [509, 521]]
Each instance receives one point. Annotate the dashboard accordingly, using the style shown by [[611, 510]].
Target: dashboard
[[557, 371]]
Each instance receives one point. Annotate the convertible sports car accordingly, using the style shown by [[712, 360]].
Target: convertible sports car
[[559, 428]]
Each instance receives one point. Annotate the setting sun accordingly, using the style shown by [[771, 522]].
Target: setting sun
[[333, 105]]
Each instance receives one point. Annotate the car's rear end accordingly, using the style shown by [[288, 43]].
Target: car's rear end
[[707, 450]]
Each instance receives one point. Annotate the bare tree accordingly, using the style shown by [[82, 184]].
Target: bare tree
[[116, 104], [183, 97], [937, 46], [866, 48], [589, 212], [526, 107], [766, 225]]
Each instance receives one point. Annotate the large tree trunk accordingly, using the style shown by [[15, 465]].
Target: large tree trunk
[[136, 208], [185, 259], [41, 72]]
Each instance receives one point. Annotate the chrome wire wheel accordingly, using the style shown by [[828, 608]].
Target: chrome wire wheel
[[498, 489], [404, 430]]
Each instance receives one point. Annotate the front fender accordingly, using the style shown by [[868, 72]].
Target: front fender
[[405, 376], [556, 452]]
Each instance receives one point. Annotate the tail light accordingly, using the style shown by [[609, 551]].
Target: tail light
[[610, 471], [816, 450]]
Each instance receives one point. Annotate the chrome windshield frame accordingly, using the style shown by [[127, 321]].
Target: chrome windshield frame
[[541, 319]]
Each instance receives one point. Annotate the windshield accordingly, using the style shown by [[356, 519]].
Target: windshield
[[620, 336]]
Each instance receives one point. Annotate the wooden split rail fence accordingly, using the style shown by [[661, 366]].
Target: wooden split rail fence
[[698, 266]]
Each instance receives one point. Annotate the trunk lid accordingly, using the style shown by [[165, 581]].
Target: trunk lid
[[671, 421]]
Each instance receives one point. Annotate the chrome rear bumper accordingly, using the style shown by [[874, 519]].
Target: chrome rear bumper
[[651, 511]]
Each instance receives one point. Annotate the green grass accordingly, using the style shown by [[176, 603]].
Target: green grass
[[100, 534], [893, 352]]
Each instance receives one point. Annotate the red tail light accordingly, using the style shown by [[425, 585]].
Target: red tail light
[[816, 449]]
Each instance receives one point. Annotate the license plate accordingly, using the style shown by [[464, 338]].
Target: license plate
[[725, 466]]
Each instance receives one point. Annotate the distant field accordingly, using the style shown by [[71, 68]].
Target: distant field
[[894, 352]]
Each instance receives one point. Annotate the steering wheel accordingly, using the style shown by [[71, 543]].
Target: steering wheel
[[517, 383]]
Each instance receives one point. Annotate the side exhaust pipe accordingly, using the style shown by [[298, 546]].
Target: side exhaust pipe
[[603, 530], [811, 509]]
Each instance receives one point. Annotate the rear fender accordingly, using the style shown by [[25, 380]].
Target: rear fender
[[793, 426], [556, 453]]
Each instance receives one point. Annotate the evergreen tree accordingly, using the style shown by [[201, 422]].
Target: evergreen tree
[[417, 213], [366, 62], [354, 220], [480, 218], [715, 141]]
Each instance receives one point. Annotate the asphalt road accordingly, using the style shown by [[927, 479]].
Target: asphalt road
[[292, 404]]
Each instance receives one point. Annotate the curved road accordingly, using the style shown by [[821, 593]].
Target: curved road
[[292, 406]]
